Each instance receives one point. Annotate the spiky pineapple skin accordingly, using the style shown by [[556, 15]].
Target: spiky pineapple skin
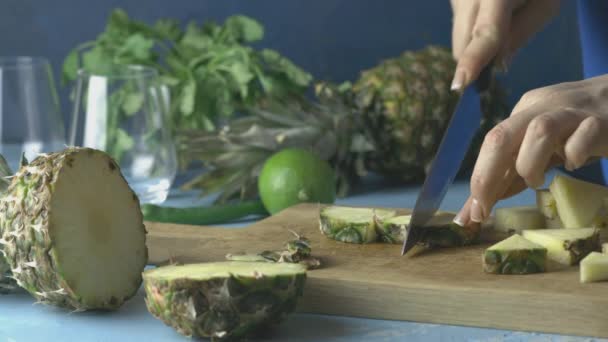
[[579, 249], [223, 308], [7, 283], [515, 262], [391, 232], [344, 231], [406, 103], [24, 227]]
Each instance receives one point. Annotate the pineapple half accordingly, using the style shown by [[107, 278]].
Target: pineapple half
[[223, 300], [545, 202], [352, 225], [72, 231], [566, 246], [515, 255], [7, 283], [516, 219], [579, 204], [594, 267]]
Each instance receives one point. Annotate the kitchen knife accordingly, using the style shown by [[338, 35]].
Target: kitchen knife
[[463, 126]]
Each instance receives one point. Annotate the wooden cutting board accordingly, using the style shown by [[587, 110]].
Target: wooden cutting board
[[374, 281]]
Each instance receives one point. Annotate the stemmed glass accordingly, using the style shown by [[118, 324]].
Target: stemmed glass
[[123, 110], [30, 118]]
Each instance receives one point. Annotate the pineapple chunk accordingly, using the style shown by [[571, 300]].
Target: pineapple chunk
[[516, 219], [579, 203], [393, 230], [515, 255], [546, 205], [440, 231], [352, 225], [594, 267], [566, 246]]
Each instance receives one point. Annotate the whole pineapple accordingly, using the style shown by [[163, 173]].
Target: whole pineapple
[[390, 121], [406, 104]]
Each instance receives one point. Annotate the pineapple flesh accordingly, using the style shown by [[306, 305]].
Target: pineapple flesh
[[352, 225], [515, 255], [73, 232], [223, 300], [605, 247], [579, 204], [566, 246], [515, 219], [545, 203], [594, 267]]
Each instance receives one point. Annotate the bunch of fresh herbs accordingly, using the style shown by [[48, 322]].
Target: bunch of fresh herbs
[[211, 70]]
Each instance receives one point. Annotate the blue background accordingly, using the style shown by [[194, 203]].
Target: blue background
[[333, 39]]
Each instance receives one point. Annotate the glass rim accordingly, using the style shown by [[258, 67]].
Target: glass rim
[[134, 71], [21, 62]]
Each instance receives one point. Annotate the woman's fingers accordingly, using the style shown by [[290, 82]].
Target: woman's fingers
[[544, 136], [487, 36], [590, 139], [464, 13], [497, 154], [463, 218]]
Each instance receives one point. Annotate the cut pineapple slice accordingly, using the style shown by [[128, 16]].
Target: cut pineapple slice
[[352, 225], [594, 267], [74, 231], [515, 219], [579, 203], [223, 300], [546, 204], [393, 230], [566, 246], [515, 255]]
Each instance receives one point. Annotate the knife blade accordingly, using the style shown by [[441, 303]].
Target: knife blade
[[464, 123]]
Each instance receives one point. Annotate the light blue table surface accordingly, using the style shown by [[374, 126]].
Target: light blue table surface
[[22, 320]]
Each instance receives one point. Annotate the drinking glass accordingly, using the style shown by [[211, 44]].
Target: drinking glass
[[123, 110], [30, 119]]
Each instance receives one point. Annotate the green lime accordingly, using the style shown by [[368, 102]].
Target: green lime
[[294, 176]]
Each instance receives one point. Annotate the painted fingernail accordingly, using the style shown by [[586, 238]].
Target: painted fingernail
[[476, 211], [458, 220], [459, 80]]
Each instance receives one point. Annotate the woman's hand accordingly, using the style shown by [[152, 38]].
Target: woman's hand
[[484, 29], [565, 124]]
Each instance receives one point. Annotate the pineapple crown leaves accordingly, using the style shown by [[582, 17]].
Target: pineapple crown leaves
[[236, 153]]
